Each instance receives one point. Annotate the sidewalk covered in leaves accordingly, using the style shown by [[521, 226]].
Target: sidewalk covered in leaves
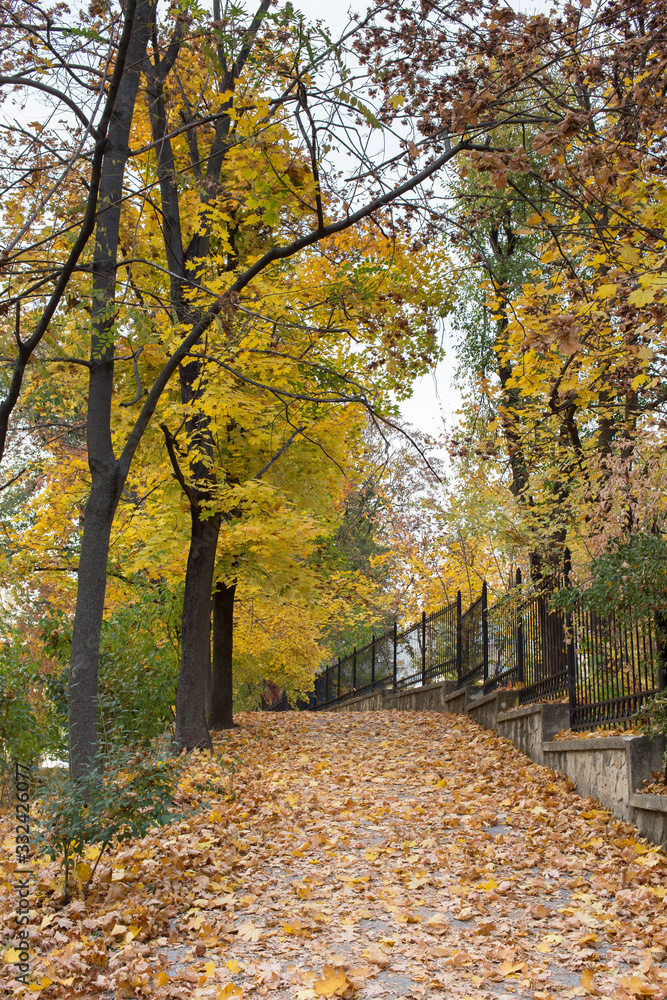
[[392, 855]]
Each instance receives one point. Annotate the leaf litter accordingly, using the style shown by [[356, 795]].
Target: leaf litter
[[369, 855]]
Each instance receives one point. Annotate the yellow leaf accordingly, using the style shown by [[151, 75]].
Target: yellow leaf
[[629, 255], [441, 784], [225, 992], [233, 966], [83, 871], [638, 986], [605, 292], [641, 297], [334, 981], [510, 968], [12, 956], [161, 979], [587, 977]]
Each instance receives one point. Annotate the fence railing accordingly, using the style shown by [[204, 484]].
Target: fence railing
[[606, 669]]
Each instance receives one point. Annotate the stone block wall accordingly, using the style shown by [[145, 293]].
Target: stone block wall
[[528, 726], [424, 699]]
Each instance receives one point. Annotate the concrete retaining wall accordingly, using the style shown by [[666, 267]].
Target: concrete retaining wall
[[529, 726], [649, 814], [427, 698], [485, 710]]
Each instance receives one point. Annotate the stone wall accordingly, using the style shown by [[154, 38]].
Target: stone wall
[[485, 710], [649, 814], [456, 702], [424, 699], [610, 768], [374, 702], [528, 726]]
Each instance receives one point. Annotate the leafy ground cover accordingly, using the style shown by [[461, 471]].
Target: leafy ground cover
[[371, 855]]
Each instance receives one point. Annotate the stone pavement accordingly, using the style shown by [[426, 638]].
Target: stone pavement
[[392, 855], [415, 854]]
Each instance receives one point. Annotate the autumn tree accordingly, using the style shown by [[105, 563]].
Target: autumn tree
[[54, 64], [560, 225], [193, 128]]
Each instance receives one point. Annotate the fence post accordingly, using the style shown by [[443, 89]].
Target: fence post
[[459, 638], [354, 669], [423, 648], [519, 636], [660, 622], [395, 659], [485, 632], [338, 694], [569, 639], [373, 664]]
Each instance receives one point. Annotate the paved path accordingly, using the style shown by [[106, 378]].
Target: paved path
[[391, 855]]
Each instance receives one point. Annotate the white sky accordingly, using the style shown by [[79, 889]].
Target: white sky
[[434, 397]]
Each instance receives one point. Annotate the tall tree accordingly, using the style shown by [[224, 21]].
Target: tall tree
[[318, 104], [77, 73]]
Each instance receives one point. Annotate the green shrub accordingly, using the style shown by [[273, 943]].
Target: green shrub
[[30, 727], [138, 669], [128, 794]]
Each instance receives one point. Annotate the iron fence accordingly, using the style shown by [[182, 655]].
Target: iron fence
[[605, 668]]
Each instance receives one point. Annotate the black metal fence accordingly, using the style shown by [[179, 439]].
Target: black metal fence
[[604, 668]]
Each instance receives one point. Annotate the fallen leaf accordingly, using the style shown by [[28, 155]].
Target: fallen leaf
[[333, 981], [250, 932]]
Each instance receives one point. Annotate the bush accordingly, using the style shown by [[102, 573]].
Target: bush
[[30, 727], [131, 792], [138, 669]]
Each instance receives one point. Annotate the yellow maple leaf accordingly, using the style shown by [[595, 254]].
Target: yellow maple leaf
[[510, 968], [83, 871], [228, 991], [641, 297], [333, 981], [637, 986], [41, 985]]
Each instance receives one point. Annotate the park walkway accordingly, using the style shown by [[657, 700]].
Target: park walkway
[[389, 855]]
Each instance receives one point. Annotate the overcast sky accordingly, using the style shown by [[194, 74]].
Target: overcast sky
[[433, 398]]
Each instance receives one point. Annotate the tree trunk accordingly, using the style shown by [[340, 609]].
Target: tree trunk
[[191, 727], [221, 716], [100, 509], [107, 476]]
